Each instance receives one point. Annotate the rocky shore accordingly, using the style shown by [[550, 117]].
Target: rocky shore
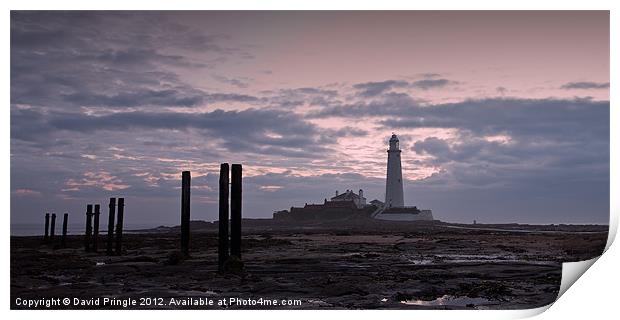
[[360, 266]]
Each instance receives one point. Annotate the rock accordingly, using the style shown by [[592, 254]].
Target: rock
[[233, 265], [402, 296], [341, 289], [174, 258]]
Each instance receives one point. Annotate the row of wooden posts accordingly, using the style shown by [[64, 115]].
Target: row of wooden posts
[[228, 245], [91, 237], [51, 230], [92, 227]]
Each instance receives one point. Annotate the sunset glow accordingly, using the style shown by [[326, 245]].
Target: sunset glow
[[493, 109]]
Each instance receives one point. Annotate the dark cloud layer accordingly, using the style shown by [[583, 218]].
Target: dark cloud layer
[[586, 85], [372, 89], [528, 117], [251, 130], [117, 59], [431, 83]]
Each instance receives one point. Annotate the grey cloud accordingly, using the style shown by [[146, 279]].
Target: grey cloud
[[527, 117], [118, 28], [134, 57], [183, 97], [390, 103], [73, 59], [433, 146], [237, 82], [251, 130], [371, 89], [489, 179], [430, 83], [430, 75], [296, 97], [231, 97], [132, 99], [586, 85], [475, 161], [350, 131]]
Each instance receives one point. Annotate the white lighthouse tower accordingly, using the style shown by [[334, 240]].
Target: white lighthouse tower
[[394, 182], [394, 208]]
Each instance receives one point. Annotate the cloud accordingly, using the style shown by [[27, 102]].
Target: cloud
[[240, 82], [111, 59], [25, 193], [294, 98], [371, 89], [586, 85], [168, 98], [251, 130], [555, 118], [431, 83], [101, 179], [390, 103], [434, 146], [490, 116], [430, 75], [491, 178]]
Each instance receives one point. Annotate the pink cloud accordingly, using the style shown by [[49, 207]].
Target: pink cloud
[[26, 193]]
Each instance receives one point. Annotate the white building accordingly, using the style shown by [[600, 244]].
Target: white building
[[358, 199]]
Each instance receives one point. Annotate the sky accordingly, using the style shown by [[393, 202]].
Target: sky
[[502, 116]]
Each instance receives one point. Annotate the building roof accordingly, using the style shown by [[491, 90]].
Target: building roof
[[347, 196]]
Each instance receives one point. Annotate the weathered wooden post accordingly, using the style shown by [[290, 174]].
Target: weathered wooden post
[[119, 226], [235, 211], [223, 218], [46, 237], [111, 213], [89, 226], [53, 227], [185, 213], [96, 228], [63, 240]]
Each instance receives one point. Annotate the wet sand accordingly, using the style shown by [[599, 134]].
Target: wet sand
[[386, 266]]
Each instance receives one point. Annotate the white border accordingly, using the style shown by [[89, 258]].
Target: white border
[[594, 296]]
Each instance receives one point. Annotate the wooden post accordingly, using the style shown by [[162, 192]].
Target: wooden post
[[119, 226], [96, 228], [235, 211], [111, 213], [63, 240], [223, 218], [185, 213], [53, 227], [89, 226], [46, 237]]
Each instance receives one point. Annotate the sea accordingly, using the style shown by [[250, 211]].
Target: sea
[[36, 229]]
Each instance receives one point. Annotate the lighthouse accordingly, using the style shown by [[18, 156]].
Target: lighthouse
[[394, 181], [394, 208]]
